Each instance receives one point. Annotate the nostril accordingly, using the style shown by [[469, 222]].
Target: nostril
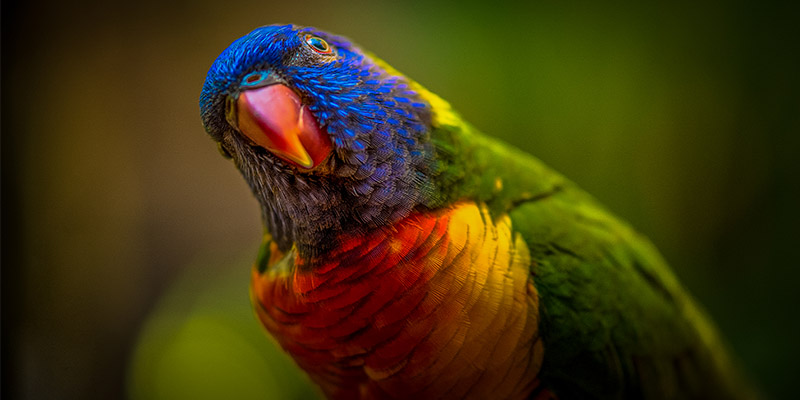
[[254, 78]]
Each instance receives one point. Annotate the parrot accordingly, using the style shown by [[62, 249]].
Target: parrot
[[407, 255]]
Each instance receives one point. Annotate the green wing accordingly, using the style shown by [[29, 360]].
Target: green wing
[[614, 320]]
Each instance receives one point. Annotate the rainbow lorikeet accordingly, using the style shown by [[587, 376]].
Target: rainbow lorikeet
[[406, 255]]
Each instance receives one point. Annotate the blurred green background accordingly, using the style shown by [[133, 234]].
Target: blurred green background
[[127, 239]]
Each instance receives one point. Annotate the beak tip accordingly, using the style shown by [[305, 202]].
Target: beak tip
[[305, 162], [274, 117]]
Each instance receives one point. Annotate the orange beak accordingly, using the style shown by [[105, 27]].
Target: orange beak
[[274, 118]]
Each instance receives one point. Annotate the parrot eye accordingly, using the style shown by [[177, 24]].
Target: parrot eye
[[318, 44], [254, 78]]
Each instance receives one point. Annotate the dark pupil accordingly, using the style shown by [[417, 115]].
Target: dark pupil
[[318, 43], [253, 78]]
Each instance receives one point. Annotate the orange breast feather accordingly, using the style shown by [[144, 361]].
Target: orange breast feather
[[440, 306]]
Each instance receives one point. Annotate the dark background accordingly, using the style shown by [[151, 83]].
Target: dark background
[[127, 238]]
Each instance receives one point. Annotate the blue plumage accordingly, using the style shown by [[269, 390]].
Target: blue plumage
[[378, 127]]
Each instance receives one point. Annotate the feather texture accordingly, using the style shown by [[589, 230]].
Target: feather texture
[[441, 308]]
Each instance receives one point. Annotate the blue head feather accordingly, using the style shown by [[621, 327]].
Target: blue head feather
[[381, 164]]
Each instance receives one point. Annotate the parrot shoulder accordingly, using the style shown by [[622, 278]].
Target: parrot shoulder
[[615, 320]]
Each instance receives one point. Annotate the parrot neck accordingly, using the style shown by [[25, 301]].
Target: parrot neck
[[315, 228]]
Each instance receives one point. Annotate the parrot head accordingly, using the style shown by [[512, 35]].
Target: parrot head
[[328, 137]]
